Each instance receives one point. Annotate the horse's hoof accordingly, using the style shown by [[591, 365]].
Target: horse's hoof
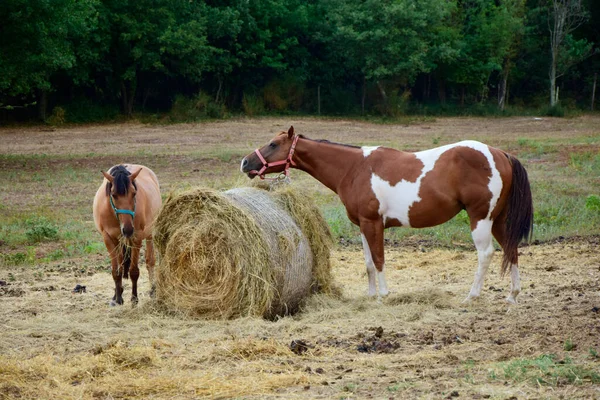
[[469, 299], [134, 301], [112, 303], [384, 293], [511, 300]]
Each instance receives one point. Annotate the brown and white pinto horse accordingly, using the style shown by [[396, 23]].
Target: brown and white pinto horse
[[124, 209], [382, 187]]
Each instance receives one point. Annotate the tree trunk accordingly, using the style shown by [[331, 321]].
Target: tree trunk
[[502, 91], [42, 104], [462, 95], [128, 97], [319, 99], [442, 91], [553, 96], [594, 91], [145, 99], [218, 96], [382, 91], [124, 101]]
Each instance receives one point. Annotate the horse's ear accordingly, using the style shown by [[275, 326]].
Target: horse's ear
[[135, 174], [291, 132], [108, 176]]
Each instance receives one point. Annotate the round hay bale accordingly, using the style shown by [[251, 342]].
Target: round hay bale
[[244, 252]]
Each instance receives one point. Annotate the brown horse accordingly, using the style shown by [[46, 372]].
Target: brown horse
[[382, 187], [124, 209]]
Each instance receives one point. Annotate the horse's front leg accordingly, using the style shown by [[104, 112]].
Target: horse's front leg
[[116, 259], [372, 238], [134, 270]]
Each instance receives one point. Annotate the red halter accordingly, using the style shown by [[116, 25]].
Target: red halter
[[288, 161]]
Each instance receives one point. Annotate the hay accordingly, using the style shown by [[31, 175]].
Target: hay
[[244, 252]]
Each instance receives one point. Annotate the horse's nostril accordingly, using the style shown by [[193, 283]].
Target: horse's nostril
[[244, 162], [127, 231]]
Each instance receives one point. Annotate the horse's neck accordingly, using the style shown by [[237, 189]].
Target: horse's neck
[[326, 162]]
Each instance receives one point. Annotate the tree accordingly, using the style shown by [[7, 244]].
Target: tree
[[153, 39], [489, 39], [564, 17], [389, 39], [38, 39]]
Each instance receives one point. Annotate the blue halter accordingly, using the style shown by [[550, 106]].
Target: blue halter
[[121, 211]]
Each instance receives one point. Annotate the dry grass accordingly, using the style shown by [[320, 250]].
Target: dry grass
[[55, 344]]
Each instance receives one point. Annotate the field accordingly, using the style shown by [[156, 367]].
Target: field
[[419, 342]]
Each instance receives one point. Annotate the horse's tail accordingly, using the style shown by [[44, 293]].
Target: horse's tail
[[519, 218], [126, 260]]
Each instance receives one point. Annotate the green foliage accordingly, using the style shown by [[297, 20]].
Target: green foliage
[[554, 111], [592, 202], [43, 37], [40, 229], [364, 56], [18, 258]]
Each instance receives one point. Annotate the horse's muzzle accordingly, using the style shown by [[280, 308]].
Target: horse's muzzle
[[247, 168], [127, 231]]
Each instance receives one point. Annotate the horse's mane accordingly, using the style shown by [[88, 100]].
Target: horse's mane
[[330, 142], [121, 181]]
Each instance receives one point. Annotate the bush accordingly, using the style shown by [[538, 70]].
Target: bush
[[58, 117], [201, 106], [40, 229], [284, 94], [253, 105], [396, 105], [554, 111]]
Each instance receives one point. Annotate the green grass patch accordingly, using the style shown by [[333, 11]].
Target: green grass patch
[[546, 370]]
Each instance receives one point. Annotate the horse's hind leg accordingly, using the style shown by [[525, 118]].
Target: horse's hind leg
[[150, 261], [499, 231], [482, 236]]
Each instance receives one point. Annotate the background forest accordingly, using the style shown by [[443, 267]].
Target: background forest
[[90, 60]]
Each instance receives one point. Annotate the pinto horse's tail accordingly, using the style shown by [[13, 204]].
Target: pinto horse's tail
[[126, 261], [519, 217]]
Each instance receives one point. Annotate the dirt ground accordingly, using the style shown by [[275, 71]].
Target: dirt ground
[[419, 342]]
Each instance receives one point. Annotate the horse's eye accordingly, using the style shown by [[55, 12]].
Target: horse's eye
[[272, 145]]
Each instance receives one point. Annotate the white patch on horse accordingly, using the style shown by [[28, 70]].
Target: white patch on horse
[[367, 150], [242, 165], [383, 289], [395, 201], [370, 266], [515, 284], [482, 237]]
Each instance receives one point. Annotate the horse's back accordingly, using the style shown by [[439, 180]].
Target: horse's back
[[147, 181]]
